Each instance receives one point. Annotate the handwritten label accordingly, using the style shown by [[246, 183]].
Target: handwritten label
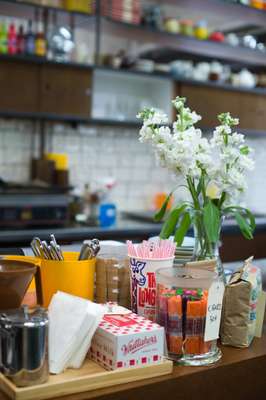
[[214, 310]]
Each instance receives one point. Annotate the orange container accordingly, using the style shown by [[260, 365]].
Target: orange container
[[160, 198], [70, 276], [257, 4]]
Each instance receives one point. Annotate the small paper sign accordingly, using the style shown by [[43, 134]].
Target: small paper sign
[[214, 310]]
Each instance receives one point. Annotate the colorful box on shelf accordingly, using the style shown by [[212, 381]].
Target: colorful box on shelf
[[124, 11], [128, 340]]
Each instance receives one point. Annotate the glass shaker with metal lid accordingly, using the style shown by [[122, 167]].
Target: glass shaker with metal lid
[[24, 346]]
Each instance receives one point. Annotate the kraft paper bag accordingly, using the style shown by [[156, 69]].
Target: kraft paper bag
[[239, 314]]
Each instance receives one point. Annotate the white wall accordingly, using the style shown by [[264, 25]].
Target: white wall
[[99, 152]]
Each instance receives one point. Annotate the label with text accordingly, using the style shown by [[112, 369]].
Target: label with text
[[214, 311]]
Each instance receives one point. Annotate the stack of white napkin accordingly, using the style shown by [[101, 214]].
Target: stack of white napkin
[[73, 321]]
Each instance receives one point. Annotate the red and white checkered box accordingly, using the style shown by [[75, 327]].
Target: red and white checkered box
[[129, 340]]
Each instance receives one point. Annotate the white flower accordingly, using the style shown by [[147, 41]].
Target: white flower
[[195, 117], [153, 117], [213, 191], [164, 135], [178, 102], [237, 139], [146, 134], [223, 159], [246, 162], [227, 119]]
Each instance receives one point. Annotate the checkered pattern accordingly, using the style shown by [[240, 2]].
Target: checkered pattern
[[108, 363], [140, 324], [127, 341]]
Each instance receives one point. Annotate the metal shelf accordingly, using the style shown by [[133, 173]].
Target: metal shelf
[[73, 119], [40, 116], [48, 8], [172, 46], [155, 74], [160, 75], [32, 59], [235, 13]]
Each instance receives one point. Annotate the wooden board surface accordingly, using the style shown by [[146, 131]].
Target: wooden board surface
[[90, 377]]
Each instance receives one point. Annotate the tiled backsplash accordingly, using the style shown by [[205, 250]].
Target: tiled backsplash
[[101, 152]]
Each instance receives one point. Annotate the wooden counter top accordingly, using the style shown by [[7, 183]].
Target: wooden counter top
[[239, 375]]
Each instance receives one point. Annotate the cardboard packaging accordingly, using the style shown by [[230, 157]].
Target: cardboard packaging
[[112, 280], [241, 298], [129, 340]]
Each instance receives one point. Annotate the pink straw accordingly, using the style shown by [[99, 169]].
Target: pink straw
[[162, 248]]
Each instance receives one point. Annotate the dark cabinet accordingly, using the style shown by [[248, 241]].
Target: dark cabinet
[[44, 88], [209, 102], [19, 87], [65, 90]]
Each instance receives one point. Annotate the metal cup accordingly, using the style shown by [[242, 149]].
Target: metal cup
[[24, 346]]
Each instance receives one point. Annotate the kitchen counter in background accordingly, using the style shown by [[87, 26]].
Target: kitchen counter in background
[[124, 229], [234, 247]]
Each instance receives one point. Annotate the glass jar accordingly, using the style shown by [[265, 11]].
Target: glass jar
[[186, 27], [201, 30], [181, 307], [171, 25]]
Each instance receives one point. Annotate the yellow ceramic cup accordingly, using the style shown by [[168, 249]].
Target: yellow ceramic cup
[[70, 276]]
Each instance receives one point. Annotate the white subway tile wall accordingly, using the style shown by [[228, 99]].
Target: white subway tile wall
[[101, 152]]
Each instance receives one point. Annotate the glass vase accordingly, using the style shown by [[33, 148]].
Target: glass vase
[[204, 249]]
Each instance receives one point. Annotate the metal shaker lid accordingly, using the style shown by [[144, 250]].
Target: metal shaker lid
[[24, 317]]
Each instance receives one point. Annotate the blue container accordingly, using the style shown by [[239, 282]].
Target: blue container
[[107, 214]]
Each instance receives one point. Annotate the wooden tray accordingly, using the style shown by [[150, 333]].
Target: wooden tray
[[90, 377]]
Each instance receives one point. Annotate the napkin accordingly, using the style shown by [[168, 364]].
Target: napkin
[[95, 312], [73, 321]]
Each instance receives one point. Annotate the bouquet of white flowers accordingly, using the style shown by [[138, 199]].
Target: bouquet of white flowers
[[214, 171]]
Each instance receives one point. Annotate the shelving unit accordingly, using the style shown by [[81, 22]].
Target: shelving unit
[[236, 12], [171, 46], [62, 11], [43, 61], [73, 119]]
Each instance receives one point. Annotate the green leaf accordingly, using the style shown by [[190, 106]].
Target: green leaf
[[160, 214], [251, 218], [248, 215], [245, 150], [211, 219], [243, 211], [182, 229], [171, 222], [243, 225], [200, 184]]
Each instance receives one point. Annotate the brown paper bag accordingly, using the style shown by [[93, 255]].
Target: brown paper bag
[[239, 306]]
